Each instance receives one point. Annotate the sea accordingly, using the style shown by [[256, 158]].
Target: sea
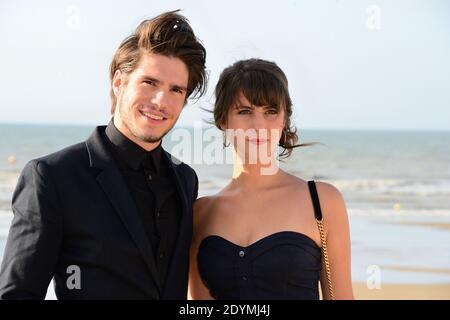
[[396, 185]]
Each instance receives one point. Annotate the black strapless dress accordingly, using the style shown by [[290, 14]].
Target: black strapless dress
[[285, 265]]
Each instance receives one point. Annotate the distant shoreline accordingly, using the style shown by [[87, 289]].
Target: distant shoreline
[[205, 125]]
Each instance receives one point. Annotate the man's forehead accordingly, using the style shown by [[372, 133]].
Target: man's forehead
[[173, 73]]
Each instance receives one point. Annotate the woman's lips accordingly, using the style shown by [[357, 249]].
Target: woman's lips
[[258, 141]]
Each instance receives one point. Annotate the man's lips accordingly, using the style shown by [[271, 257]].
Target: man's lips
[[153, 115]]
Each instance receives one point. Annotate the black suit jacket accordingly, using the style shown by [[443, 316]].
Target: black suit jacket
[[74, 216]]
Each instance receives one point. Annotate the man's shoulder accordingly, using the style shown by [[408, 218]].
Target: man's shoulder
[[67, 157]]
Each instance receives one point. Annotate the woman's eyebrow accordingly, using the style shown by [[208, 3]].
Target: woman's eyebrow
[[242, 106]]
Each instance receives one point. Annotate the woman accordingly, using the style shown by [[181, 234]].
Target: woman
[[258, 237]]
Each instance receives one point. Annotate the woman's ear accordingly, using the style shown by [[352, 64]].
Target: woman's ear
[[222, 126]]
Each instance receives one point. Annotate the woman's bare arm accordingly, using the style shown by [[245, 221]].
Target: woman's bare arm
[[337, 233], [197, 289]]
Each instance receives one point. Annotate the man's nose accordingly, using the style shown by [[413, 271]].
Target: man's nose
[[161, 99]]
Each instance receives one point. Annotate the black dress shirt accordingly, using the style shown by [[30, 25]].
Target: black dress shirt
[[153, 190]]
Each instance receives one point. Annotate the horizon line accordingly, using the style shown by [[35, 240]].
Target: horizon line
[[45, 124]]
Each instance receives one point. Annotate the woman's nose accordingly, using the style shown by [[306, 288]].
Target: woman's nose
[[259, 121]]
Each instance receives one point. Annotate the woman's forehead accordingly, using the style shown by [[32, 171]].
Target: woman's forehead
[[242, 101]]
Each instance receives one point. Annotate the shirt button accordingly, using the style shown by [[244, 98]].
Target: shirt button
[[244, 278], [149, 177], [158, 214], [161, 255], [241, 253]]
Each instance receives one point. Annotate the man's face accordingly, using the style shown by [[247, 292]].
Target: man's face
[[150, 99]]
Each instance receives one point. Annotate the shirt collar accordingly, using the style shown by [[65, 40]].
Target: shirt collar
[[131, 153]]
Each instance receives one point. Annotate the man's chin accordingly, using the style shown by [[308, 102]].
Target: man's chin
[[150, 138]]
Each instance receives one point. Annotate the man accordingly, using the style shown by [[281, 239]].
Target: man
[[111, 218]]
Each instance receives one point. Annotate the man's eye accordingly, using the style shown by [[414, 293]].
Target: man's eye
[[243, 112], [150, 82], [178, 91], [273, 111]]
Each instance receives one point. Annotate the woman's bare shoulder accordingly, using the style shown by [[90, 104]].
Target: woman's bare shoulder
[[332, 202], [331, 199], [201, 203], [203, 207], [324, 189], [329, 193]]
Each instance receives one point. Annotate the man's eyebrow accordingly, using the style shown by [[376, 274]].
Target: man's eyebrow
[[174, 86], [147, 78]]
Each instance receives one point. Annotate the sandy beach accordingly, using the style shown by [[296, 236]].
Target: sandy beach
[[409, 291], [403, 292]]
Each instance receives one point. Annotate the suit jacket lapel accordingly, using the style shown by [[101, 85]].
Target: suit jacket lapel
[[184, 233], [114, 185]]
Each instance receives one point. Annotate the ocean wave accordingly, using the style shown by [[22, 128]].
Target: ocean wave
[[9, 176], [377, 212], [211, 186], [8, 181], [403, 187], [394, 187]]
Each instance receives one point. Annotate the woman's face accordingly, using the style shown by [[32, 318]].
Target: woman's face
[[254, 130]]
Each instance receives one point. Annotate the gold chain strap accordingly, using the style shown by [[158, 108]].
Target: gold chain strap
[[325, 257]]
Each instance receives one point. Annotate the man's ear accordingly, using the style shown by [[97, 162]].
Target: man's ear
[[118, 82]]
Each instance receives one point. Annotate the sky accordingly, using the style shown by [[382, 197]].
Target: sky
[[351, 64]]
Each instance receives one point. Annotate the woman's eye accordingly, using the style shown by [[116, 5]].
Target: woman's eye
[[243, 112], [150, 83], [272, 112]]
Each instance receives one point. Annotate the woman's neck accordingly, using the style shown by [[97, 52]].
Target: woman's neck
[[256, 176]]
